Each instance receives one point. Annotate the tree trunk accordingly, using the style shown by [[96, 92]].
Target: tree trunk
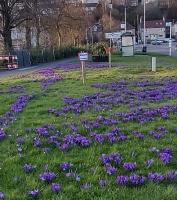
[[7, 41], [38, 37], [59, 39], [37, 22], [28, 35], [7, 33]]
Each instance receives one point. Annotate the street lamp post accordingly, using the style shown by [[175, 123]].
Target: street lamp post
[[125, 18], [144, 34], [170, 40], [110, 21]]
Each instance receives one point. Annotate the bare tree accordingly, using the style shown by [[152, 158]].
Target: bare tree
[[13, 14], [65, 21]]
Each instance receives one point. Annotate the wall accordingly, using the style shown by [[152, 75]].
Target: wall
[[154, 33]]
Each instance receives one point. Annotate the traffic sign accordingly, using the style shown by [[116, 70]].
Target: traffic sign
[[168, 24]]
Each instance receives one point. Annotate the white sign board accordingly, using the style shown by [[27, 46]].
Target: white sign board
[[114, 35], [122, 26], [110, 5], [83, 56], [168, 24], [127, 41]]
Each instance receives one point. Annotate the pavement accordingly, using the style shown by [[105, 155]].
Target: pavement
[[23, 71]]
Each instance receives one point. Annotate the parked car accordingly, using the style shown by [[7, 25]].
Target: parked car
[[148, 41], [156, 42], [166, 40]]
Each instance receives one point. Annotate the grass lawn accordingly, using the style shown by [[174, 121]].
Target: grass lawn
[[15, 182]]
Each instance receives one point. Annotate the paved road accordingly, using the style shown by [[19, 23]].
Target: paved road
[[21, 71], [162, 49]]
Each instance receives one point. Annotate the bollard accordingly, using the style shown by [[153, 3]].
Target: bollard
[[153, 64]]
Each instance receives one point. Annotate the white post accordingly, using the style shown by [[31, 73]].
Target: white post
[[154, 64], [83, 71], [170, 41]]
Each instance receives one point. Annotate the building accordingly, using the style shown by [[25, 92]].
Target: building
[[174, 30], [155, 29], [18, 35], [126, 2], [148, 1], [90, 4], [167, 3]]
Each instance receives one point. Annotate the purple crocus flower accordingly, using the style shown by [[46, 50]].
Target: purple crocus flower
[[102, 183], [86, 186], [105, 159], [111, 137], [42, 132], [148, 163], [114, 158], [171, 175], [29, 168], [65, 166], [46, 150], [20, 103], [130, 166], [55, 187], [64, 147], [165, 158], [110, 169], [155, 177], [1, 195], [33, 193], [53, 140], [138, 135], [122, 180], [176, 129], [100, 138], [47, 176], [122, 137], [20, 141], [137, 180], [37, 142], [166, 150], [2, 135], [70, 174]]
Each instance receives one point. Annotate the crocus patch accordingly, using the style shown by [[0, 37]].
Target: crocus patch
[[120, 110]]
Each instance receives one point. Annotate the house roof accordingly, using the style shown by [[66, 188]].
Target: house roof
[[154, 24]]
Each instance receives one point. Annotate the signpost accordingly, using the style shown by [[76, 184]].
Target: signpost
[[154, 63], [83, 57]]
